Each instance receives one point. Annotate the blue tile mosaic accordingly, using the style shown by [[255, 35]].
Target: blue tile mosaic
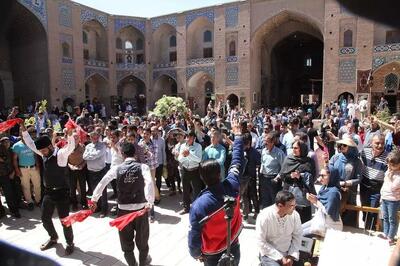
[[121, 74], [157, 22], [190, 71], [347, 70], [89, 71], [231, 16], [87, 15], [193, 15], [65, 15], [120, 23], [38, 8], [232, 75], [170, 72], [68, 79]]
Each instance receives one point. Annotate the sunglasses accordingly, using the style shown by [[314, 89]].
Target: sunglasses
[[342, 145]]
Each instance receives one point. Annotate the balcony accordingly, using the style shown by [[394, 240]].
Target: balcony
[[387, 47], [96, 63], [200, 61], [165, 65], [130, 66]]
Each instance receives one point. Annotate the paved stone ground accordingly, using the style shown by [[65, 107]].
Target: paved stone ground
[[98, 244]]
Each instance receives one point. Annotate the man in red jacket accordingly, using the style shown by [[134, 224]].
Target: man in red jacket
[[207, 242]]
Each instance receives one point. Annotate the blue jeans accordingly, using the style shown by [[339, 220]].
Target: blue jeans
[[389, 213], [212, 260], [370, 197]]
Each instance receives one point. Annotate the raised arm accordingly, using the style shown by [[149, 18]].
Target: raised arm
[[236, 167]]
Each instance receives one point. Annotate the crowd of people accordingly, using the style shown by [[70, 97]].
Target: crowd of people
[[269, 159]]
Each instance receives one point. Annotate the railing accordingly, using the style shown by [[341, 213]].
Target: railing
[[387, 47], [95, 63], [200, 61]]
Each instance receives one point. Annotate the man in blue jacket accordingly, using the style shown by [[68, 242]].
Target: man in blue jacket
[[207, 242]]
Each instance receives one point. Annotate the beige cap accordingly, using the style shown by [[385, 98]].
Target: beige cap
[[347, 141]]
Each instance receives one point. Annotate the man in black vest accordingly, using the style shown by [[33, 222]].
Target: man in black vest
[[56, 184], [135, 189]]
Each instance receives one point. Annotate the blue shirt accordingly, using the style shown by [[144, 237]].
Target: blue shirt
[[26, 157], [271, 161], [218, 153]]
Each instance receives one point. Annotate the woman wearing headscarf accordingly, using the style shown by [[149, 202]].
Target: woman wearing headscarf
[[328, 204], [349, 166], [297, 175]]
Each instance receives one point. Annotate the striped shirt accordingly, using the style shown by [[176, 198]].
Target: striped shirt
[[374, 167]]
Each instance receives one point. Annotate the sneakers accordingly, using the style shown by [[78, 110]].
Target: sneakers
[[103, 215], [114, 210], [69, 249], [48, 244]]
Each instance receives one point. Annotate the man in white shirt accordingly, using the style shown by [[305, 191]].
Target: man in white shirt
[[363, 107], [190, 155], [278, 232], [135, 192]]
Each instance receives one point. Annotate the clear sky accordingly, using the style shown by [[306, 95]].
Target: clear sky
[[147, 8]]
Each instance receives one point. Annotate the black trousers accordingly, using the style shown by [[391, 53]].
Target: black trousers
[[137, 232], [78, 176], [56, 199], [12, 203], [252, 194], [94, 179], [173, 174], [190, 180], [159, 171]]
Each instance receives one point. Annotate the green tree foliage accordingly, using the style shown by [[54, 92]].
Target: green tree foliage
[[168, 105], [384, 115]]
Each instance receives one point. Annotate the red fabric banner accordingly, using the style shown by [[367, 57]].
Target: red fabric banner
[[6, 125], [76, 217], [124, 220], [82, 133]]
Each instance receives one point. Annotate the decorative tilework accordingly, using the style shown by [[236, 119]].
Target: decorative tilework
[[377, 62], [380, 60], [66, 60], [232, 75], [170, 72], [190, 71], [65, 15], [38, 8], [68, 79], [165, 65], [130, 66], [231, 16], [387, 47], [193, 15], [157, 22], [121, 74], [95, 63], [347, 51], [120, 23], [347, 70], [90, 71], [231, 59], [200, 61], [87, 15]]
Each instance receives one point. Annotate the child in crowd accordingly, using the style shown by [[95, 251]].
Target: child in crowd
[[390, 194]]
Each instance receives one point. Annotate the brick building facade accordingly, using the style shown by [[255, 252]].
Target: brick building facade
[[68, 53]]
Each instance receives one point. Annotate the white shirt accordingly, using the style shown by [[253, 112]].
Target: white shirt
[[116, 156], [278, 237], [62, 154], [193, 160], [363, 105], [148, 187]]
